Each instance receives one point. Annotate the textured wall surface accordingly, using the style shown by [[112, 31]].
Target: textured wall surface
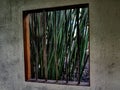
[[104, 44]]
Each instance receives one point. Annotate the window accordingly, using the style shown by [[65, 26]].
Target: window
[[56, 45]]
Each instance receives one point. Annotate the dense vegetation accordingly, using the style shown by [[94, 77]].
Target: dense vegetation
[[59, 43]]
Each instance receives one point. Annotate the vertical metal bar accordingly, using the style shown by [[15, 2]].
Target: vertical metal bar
[[78, 44], [33, 39], [70, 46], [55, 44], [44, 46], [42, 60], [66, 66], [36, 46]]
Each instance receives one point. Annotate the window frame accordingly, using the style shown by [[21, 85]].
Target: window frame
[[27, 37]]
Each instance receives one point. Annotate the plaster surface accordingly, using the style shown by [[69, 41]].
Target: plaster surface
[[104, 44]]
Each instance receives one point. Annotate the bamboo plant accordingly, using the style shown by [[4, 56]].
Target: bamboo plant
[[62, 37]]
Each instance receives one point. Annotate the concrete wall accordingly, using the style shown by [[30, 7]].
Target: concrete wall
[[104, 44]]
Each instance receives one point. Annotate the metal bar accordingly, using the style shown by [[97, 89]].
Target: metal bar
[[32, 38], [66, 47], [36, 46], [78, 43], [55, 44], [42, 61], [70, 45], [44, 46]]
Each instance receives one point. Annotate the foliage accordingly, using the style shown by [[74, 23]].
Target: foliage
[[63, 37]]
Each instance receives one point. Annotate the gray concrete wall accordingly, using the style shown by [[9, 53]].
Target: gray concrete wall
[[104, 44]]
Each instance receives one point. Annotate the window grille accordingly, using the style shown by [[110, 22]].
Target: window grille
[[56, 43]]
